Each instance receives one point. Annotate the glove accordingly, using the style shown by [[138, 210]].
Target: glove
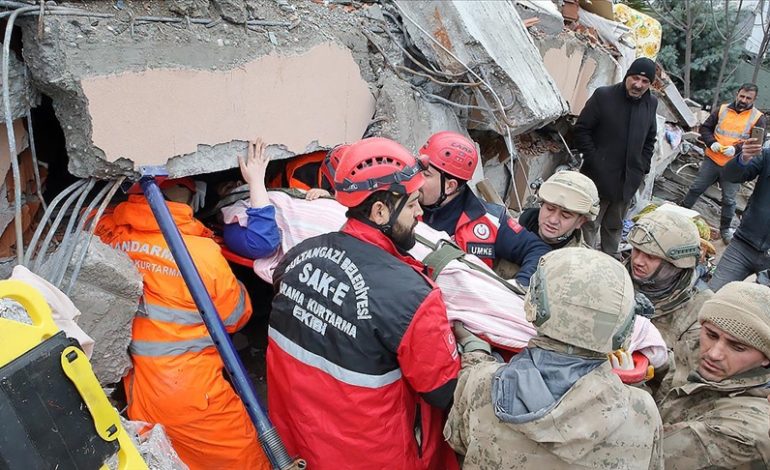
[[716, 147], [621, 360], [643, 306], [729, 151], [467, 341], [199, 198]]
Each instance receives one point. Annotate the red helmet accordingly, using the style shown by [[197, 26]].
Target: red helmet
[[331, 162], [375, 164], [452, 153]]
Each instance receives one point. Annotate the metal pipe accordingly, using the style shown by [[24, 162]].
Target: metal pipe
[[268, 437], [47, 216], [17, 222]]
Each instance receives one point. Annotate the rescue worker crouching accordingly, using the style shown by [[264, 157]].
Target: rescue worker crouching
[[665, 248], [480, 228], [361, 361], [557, 404], [568, 200], [177, 379], [717, 416]]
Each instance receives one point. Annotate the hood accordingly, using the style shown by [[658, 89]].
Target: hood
[[534, 382], [137, 214]]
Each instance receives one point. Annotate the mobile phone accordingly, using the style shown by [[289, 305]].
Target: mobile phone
[[758, 133]]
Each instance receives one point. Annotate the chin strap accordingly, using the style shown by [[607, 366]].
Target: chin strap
[[441, 197]]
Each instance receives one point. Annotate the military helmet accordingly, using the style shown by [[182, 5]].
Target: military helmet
[[673, 237], [583, 298], [573, 191]]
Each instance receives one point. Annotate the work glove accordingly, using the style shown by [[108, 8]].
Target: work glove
[[467, 341], [729, 151], [716, 147], [199, 198], [621, 360]]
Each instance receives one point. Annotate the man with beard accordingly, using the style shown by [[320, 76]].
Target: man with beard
[[557, 404], [616, 133], [724, 133], [479, 228], [665, 248], [717, 416], [361, 360], [568, 200]]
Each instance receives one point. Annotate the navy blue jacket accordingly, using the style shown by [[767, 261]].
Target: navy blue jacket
[[755, 222]]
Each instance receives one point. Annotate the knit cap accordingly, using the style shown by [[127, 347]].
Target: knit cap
[[741, 309], [642, 66]]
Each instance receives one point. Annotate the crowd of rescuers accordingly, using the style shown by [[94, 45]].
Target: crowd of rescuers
[[395, 385]]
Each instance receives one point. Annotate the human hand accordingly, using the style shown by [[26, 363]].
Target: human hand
[[751, 148], [253, 167], [729, 151], [621, 360], [316, 193], [467, 341], [199, 198], [716, 147]]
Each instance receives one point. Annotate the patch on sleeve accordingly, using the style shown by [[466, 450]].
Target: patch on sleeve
[[514, 224]]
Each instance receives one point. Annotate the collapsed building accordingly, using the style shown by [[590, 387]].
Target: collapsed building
[[98, 94]]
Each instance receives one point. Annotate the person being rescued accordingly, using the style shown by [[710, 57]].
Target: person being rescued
[[178, 379], [310, 173]]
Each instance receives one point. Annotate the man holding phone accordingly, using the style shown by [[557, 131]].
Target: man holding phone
[[724, 133], [750, 252]]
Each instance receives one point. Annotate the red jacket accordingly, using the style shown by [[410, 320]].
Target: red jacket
[[359, 343]]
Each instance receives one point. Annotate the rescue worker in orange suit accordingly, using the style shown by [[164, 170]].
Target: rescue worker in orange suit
[[361, 359], [304, 172], [724, 132], [480, 228], [177, 379]]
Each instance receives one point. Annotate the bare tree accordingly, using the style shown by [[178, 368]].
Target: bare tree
[[764, 15], [690, 20], [735, 29]]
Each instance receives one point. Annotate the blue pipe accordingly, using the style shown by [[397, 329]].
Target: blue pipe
[[268, 436]]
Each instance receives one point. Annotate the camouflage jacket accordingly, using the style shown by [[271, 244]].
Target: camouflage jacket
[[681, 331], [598, 423], [717, 425]]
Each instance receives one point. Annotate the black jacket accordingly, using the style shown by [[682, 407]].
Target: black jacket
[[616, 135], [754, 228]]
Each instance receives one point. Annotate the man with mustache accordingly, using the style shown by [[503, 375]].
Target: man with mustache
[[361, 360], [717, 416], [724, 133], [665, 248], [616, 133]]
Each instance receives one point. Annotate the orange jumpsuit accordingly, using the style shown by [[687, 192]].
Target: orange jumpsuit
[[177, 379]]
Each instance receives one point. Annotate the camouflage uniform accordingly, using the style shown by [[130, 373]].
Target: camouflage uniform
[[723, 424], [595, 421], [675, 239]]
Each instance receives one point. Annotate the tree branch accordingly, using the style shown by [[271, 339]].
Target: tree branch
[[670, 21]]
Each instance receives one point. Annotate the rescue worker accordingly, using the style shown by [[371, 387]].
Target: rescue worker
[[557, 404], [302, 172], [177, 379], [480, 228], [361, 360], [665, 248], [568, 200], [717, 416], [724, 133]]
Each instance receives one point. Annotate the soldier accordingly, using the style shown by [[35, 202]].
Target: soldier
[[557, 404], [664, 254], [568, 200], [717, 417]]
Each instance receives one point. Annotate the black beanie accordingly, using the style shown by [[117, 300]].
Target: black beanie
[[642, 66]]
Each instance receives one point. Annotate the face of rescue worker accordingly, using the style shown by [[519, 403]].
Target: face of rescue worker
[[430, 192], [744, 99], [403, 231], [722, 356], [554, 222], [643, 265], [637, 85]]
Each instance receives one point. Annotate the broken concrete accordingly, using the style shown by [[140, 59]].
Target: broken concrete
[[489, 37], [674, 107], [107, 293], [22, 95], [577, 68], [662, 157], [550, 21]]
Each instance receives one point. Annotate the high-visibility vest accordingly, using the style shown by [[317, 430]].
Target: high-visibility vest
[[732, 128]]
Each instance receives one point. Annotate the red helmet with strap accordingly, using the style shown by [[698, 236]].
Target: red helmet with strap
[[452, 153], [375, 164]]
